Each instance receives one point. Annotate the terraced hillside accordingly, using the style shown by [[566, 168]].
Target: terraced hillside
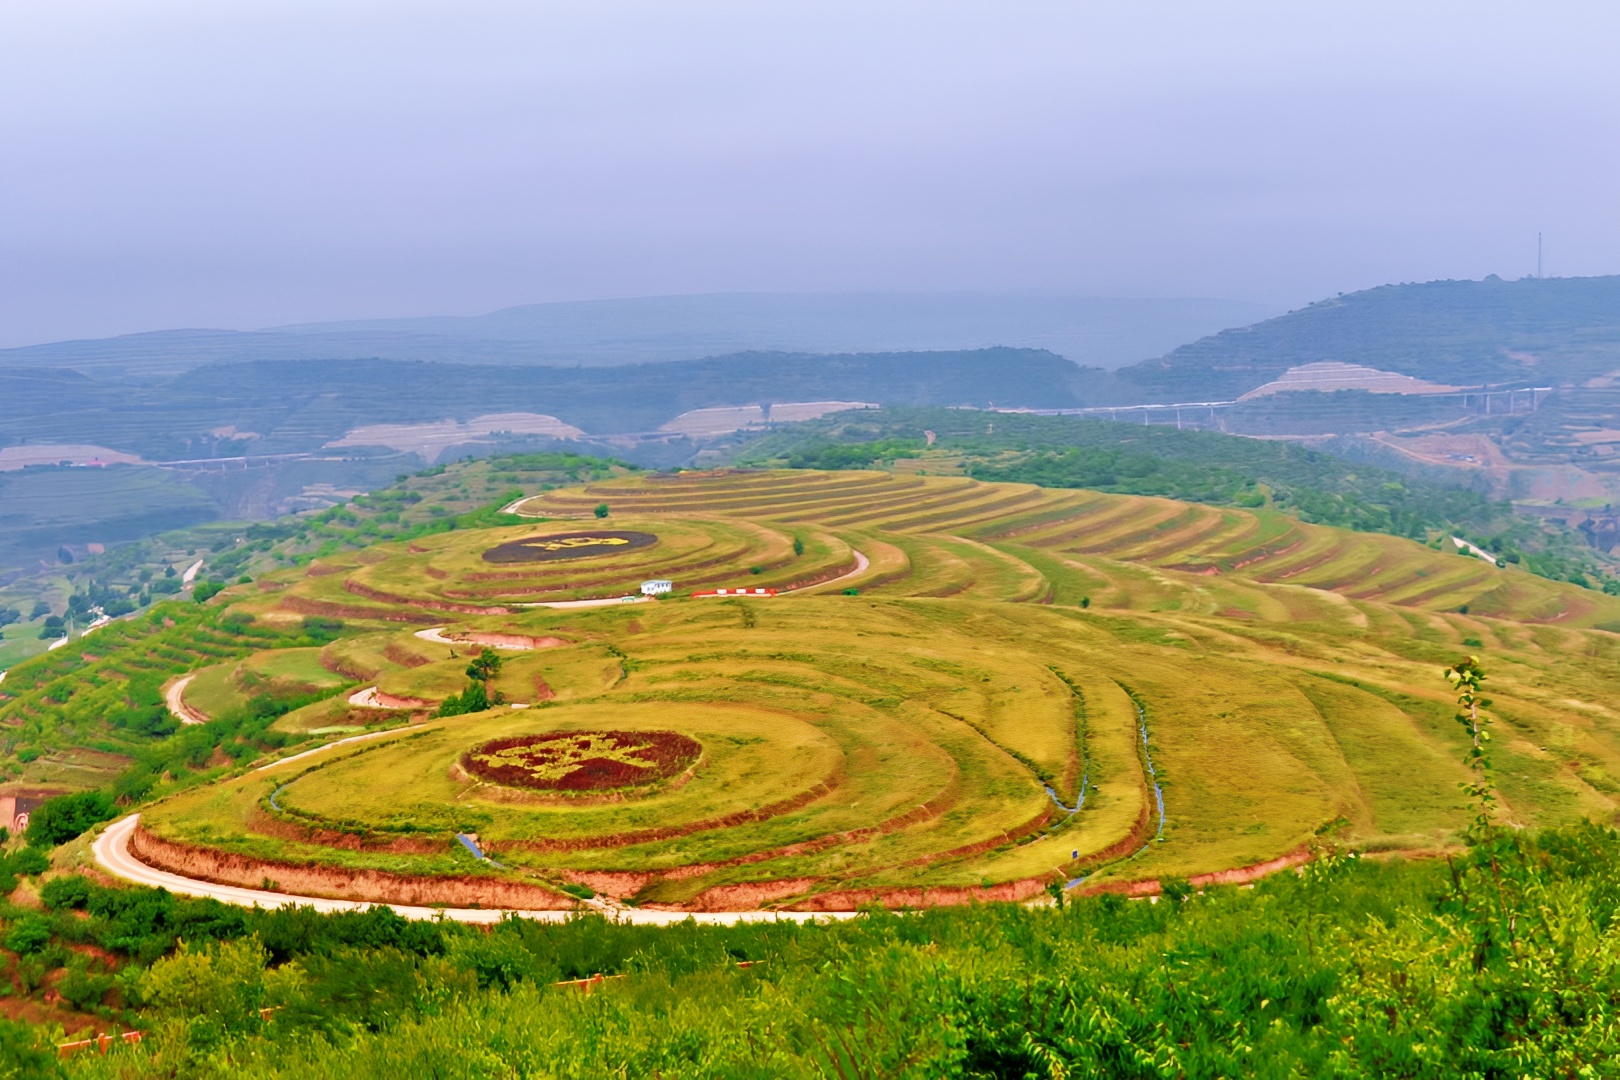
[[959, 690], [1057, 536]]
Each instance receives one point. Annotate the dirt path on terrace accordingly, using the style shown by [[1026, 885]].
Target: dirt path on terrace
[[174, 696], [372, 698], [520, 642]]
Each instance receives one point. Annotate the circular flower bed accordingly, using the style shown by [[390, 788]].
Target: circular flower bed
[[582, 760], [574, 545]]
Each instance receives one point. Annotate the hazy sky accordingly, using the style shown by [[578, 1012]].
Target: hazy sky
[[247, 163]]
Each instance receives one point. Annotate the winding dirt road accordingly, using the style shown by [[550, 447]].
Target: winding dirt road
[[175, 698], [112, 852], [113, 855]]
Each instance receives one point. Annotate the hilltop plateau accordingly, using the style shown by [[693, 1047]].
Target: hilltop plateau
[[928, 690]]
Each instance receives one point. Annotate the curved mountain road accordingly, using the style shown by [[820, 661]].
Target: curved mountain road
[[112, 854], [175, 698]]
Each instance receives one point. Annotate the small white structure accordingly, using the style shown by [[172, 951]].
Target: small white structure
[[656, 587]]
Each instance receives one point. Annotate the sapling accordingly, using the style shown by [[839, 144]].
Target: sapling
[[1467, 679]]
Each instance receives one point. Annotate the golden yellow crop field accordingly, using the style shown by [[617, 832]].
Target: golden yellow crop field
[[960, 690]]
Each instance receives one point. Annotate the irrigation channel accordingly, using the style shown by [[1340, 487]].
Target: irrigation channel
[[1153, 778]]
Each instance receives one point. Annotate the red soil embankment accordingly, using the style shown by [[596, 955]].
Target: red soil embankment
[[1123, 846], [1241, 875], [308, 880], [301, 605], [621, 884], [372, 698], [1011, 836], [431, 605], [748, 896], [617, 884], [830, 574], [402, 656], [644, 836], [922, 897], [263, 824], [508, 641]]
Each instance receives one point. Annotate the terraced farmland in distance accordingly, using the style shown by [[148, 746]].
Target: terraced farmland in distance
[[1029, 687]]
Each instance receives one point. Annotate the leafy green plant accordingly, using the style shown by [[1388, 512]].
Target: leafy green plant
[[1467, 679], [59, 820]]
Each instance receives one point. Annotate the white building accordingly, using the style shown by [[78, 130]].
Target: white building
[[657, 587]]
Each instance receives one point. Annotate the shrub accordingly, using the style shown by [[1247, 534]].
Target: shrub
[[497, 960], [28, 862], [219, 988], [471, 700], [65, 893], [322, 626], [205, 591], [601, 510], [60, 819], [84, 989], [30, 934], [21, 1055]]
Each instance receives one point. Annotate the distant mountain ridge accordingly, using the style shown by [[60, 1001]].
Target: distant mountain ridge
[[1090, 331], [1461, 333], [298, 406]]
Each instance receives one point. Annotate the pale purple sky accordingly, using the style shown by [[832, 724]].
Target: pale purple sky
[[252, 163]]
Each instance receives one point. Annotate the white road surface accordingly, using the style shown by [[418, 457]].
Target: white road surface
[[112, 854], [1474, 549], [174, 696]]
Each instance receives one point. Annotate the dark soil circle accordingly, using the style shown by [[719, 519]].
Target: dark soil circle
[[582, 760], [574, 545]]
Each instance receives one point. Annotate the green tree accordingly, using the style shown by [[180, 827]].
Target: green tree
[[219, 989], [486, 666], [601, 510], [473, 699], [60, 819], [21, 1054], [1467, 679]]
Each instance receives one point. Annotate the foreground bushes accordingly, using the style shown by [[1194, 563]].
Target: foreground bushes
[[1501, 964]]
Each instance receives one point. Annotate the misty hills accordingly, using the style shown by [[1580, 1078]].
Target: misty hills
[[1087, 330], [158, 396], [1464, 333], [1457, 332], [299, 405]]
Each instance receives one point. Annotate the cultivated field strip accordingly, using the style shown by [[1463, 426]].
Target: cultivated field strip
[[1259, 545]]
